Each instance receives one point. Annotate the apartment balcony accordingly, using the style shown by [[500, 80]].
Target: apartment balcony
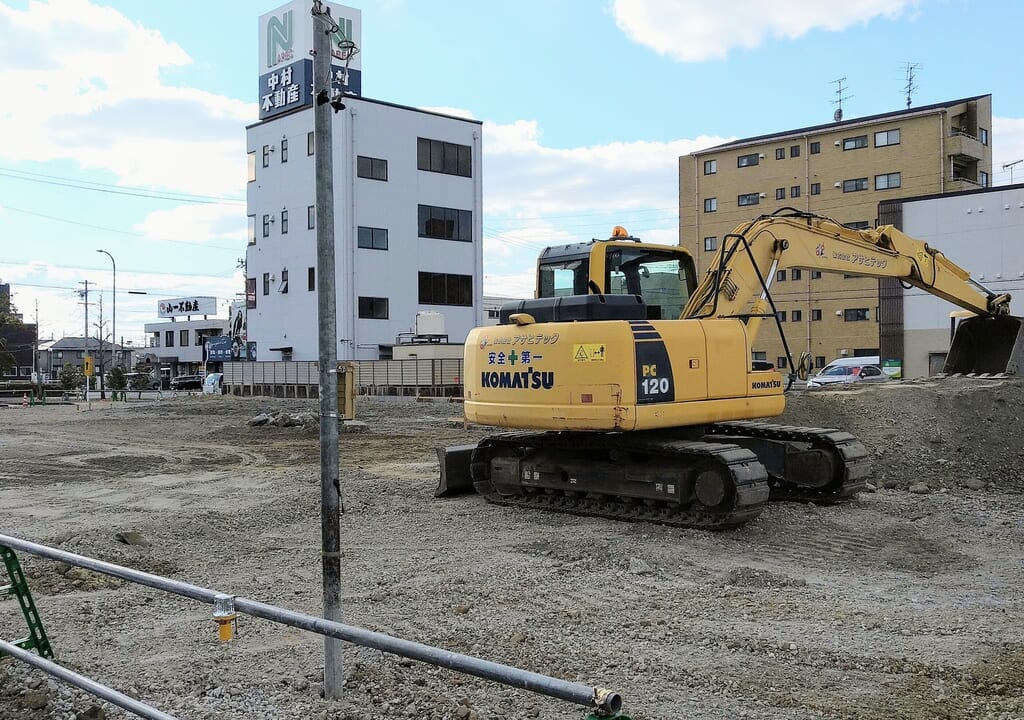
[[961, 145], [959, 182]]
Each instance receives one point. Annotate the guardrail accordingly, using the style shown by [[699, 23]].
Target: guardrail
[[602, 701]]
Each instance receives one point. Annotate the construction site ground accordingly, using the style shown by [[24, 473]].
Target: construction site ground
[[907, 602]]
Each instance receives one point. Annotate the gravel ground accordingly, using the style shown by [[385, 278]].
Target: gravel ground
[[905, 603]]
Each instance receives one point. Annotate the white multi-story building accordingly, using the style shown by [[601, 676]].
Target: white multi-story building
[[408, 208], [980, 230]]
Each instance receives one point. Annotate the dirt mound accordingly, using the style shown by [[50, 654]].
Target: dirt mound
[[955, 434]]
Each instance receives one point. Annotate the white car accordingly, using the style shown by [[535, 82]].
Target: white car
[[213, 384], [847, 375]]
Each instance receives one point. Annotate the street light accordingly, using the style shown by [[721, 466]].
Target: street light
[[114, 312]]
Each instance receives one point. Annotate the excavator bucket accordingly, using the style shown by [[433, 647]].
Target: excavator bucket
[[987, 345], [456, 478]]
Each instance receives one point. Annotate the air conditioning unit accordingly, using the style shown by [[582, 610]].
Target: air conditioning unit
[[838, 184]]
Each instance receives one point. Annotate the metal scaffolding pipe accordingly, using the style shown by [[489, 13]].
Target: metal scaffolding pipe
[[605, 701], [90, 686]]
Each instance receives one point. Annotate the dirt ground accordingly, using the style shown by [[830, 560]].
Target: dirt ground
[[904, 603]]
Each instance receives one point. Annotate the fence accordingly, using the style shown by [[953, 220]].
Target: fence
[[300, 378], [602, 701]]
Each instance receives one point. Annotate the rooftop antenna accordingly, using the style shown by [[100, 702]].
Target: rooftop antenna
[[910, 87], [838, 114], [1009, 166]]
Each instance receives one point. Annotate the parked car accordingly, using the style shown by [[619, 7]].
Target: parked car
[[141, 381], [847, 375], [214, 384], [187, 382]]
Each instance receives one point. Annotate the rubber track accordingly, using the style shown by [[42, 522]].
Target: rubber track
[[855, 458], [743, 466]]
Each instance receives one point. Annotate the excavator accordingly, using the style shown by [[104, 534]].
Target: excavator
[[626, 389]]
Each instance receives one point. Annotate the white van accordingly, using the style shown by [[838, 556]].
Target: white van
[[853, 362]]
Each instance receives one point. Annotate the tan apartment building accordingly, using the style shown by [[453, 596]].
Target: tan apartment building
[[843, 170]]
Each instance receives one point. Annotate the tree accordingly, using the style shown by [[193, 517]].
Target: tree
[[118, 378], [70, 377], [8, 318]]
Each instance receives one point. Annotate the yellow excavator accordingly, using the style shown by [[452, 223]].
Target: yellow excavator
[[633, 390]]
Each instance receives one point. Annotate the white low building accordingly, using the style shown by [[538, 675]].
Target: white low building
[[408, 207]]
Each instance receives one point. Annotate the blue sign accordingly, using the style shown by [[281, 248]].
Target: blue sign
[[218, 348], [291, 87]]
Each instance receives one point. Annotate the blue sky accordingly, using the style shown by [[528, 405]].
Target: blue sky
[[586, 104]]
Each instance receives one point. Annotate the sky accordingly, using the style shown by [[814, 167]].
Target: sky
[[124, 122]]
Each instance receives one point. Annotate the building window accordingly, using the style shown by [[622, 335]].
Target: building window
[[252, 167], [747, 160], [855, 314], [748, 199], [983, 178], [781, 315], [311, 279], [794, 151], [795, 274], [710, 243], [310, 144], [815, 188], [284, 222], [266, 226], [780, 193], [815, 315], [983, 136], [781, 362], [445, 289], [780, 153], [183, 339], [710, 167], [284, 150], [444, 157], [252, 229], [445, 223], [310, 217], [819, 361], [373, 308], [373, 238], [710, 204], [887, 181], [815, 147], [855, 185], [284, 282], [796, 315], [815, 274], [168, 338], [887, 137], [266, 156], [266, 283], [250, 293], [372, 168], [780, 276], [794, 192], [855, 143]]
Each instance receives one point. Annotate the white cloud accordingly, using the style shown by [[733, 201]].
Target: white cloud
[[696, 30], [1007, 147], [197, 223], [89, 89]]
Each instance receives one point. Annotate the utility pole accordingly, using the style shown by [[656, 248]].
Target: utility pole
[[36, 380], [100, 334], [85, 295], [330, 487]]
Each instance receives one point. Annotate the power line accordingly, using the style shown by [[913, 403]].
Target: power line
[[115, 189]]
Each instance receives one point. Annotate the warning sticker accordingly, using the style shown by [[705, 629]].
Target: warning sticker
[[588, 352]]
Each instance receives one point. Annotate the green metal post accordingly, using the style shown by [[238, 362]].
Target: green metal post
[[36, 639]]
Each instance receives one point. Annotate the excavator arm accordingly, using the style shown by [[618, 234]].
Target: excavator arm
[[738, 282]]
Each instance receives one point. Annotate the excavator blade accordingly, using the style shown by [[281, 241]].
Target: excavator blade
[[987, 345], [455, 477]]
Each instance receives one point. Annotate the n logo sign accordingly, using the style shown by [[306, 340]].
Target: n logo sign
[[280, 39]]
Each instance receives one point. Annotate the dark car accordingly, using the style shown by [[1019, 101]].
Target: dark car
[[187, 382]]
